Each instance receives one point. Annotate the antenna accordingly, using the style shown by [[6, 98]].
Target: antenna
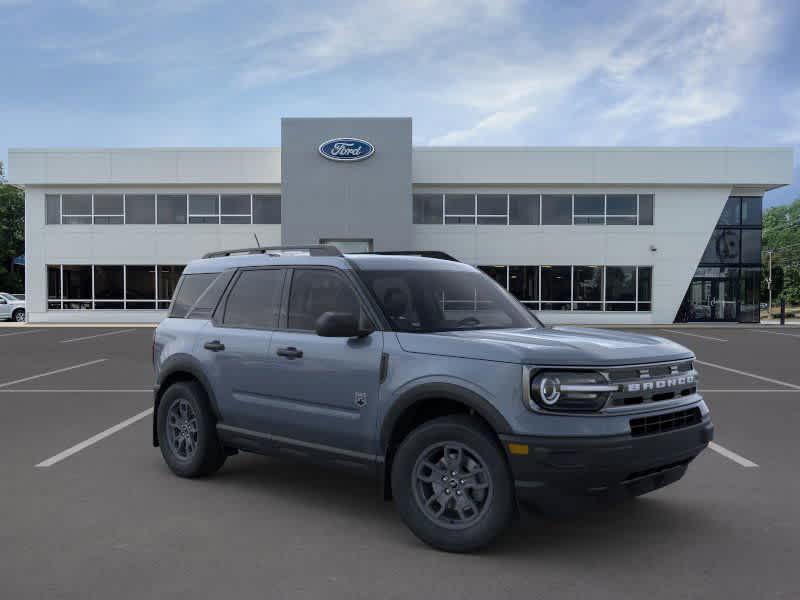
[[257, 242]]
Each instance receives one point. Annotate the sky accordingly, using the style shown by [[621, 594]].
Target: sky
[[108, 73]]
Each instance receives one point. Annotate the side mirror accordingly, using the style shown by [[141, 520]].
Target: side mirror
[[339, 324]]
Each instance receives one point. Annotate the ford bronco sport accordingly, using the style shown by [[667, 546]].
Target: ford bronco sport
[[424, 372]]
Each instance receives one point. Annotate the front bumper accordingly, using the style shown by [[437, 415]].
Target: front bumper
[[609, 467]]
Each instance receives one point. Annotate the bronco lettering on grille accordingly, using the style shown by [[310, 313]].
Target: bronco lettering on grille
[[660, 384]]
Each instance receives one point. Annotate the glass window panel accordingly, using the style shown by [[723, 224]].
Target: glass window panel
[[267, 209], [203, 204], [54, 306], [556, 305], [731, 212], [54, 282], [139, 305], [78, 305], [523, 282], [750, 295], [74, 220], [588, 284], [315, 292], [108, 220], [191, 287], [645, 284], [76, 204], [168, 276], [723, 247], [751, 245], [459, 204], [588, 306], [556, 283], [644, 307], [556, 210], [621, 204], [108, 305], [751, 211], [235, 204], [582, 220], [492, 220], [108, 204], [204, 220], [108, 282], [140, 209], [611, 220], [428, 209], [523, 209], [459, 220], [207, 302], [496, 272], [492, 204], [619, 306], [140, 282], [254, 300], [172, 209], [77, 282], [589, 204], [235, 220], [646, 209], [53, 209], [620, 284]]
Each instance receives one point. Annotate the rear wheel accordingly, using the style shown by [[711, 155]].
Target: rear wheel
[[19, 315], [452, 485], [187, 432]]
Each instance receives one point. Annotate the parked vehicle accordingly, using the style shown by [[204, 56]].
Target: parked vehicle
[[12, 308], [423, 372]]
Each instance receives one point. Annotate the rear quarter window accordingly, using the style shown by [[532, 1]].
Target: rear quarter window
[[190, 288]]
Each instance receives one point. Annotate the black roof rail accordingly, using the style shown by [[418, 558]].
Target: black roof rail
[[313, 250], [424, 253]]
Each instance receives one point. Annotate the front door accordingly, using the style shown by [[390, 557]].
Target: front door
[[711, 300], [324, 390]]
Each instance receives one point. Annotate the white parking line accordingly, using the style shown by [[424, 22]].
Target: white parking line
[[697, 335], [745, 391], [794, 335], [140, 391], [740, 460], [24, 379], [91, 337], [753, 375], [22, 332], [94, 439]]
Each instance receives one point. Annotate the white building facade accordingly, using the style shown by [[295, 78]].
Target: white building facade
[[580, 235]]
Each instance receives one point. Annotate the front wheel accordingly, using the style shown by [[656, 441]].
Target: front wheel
[[18, 316], [187, 432], [452, 485]]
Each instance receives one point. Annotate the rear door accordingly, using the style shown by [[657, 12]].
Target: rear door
[[324, 390], [235, 344], [5, 307]]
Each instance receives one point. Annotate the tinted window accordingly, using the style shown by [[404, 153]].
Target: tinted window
[[53, 282], [254, 301], [203, 208], [751, 211], [620, 285], [462, 205], [556, 284], [723, 247], [621, 209], [171, 209], [523, 209], [523, 282], [140, 209], [108, 209], [168, 276], [108, 282], [492, 209], [76, 209], [53, 207], [587, 284], [235, 208], [266, 209], [140, 282], [496, 272], [189, 290], [316, 291], [557, 210], [589, 209], [428, 209], [645, 284], [77, 282], [646, 208], [751, 245], [731, 213]]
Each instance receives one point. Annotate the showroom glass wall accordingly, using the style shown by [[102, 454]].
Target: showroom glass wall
[[726, 284]]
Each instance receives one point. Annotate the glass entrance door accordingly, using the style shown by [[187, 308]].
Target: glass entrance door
[[711, 300]]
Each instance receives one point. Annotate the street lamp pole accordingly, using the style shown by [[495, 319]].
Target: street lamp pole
[[769, 285]]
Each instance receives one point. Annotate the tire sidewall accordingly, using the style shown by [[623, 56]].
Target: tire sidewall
[[472, 434], [209, 451], [15, 315]]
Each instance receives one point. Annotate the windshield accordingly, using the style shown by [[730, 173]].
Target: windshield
[[425, 301]]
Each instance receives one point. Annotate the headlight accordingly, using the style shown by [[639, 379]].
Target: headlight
[[570, 390]]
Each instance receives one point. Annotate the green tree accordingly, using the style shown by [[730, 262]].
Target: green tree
[[781, 234], [12, 235]]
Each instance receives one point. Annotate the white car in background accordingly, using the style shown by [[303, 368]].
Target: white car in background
[[12, 308]]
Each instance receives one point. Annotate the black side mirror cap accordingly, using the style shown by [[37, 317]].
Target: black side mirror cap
[[340, 324]]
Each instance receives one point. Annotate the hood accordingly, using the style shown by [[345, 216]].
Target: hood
[[568, 346]]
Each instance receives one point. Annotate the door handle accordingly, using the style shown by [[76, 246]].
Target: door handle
[[214, 346], [290, 352]]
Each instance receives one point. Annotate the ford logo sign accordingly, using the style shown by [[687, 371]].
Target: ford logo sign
[[346, 149]]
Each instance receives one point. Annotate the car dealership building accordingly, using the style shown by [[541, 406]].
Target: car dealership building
[[582, 235]]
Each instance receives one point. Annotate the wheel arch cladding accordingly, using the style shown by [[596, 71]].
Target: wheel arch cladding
[[426, 403], [173, 372]]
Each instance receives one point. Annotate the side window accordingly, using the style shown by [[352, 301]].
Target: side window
[[316, 291], [254, 301], [204, 306], [189, 290]]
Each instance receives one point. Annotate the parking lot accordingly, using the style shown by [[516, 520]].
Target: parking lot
[[89, 510]]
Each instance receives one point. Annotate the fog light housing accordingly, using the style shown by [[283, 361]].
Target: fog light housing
[[570, 390]]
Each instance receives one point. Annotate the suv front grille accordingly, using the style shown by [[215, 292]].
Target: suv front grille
[[646, 384], [665, 422]]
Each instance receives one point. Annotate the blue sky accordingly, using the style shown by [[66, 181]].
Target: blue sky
[[470, 72]]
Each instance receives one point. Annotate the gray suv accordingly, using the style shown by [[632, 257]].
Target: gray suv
[[423, 372]]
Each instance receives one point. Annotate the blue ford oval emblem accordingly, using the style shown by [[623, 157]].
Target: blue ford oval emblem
[[346, 149]]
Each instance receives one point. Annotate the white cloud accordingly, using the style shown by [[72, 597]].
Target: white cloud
[[496, 122]]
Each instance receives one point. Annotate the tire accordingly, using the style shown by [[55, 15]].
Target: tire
[[190, 447], [479, 504], [18, 316]]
